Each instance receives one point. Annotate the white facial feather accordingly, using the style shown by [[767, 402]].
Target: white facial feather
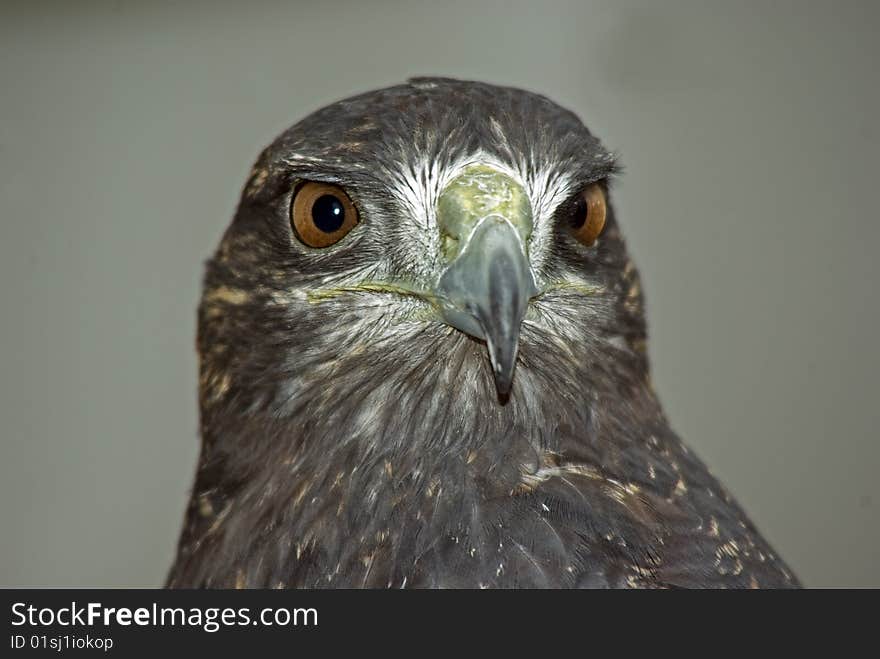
[[417, 188]]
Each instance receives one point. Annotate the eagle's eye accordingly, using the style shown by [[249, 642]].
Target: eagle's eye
[[588, 217], [322, 214]]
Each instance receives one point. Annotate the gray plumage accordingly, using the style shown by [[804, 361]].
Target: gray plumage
[[353, 438]]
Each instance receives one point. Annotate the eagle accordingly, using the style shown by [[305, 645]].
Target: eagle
[[423, 364]]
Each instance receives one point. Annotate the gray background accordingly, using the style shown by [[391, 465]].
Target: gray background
[[749, 136]]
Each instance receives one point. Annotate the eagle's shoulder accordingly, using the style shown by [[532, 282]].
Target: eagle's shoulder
[[575, 523]]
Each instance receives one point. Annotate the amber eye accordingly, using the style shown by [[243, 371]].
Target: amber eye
[[588, 217], [322, 214]]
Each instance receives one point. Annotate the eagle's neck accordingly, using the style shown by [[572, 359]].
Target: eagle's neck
[[310, 495]]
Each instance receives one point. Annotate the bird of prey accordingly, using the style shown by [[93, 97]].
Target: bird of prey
[[423, 364]]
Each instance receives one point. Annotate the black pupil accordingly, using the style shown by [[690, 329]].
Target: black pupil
[[579, 215], [328, 213]]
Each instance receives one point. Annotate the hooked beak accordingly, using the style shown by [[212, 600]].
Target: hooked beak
[[485, 292]]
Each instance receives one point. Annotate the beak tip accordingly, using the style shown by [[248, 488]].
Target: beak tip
[[503, 367], [503, 384]]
